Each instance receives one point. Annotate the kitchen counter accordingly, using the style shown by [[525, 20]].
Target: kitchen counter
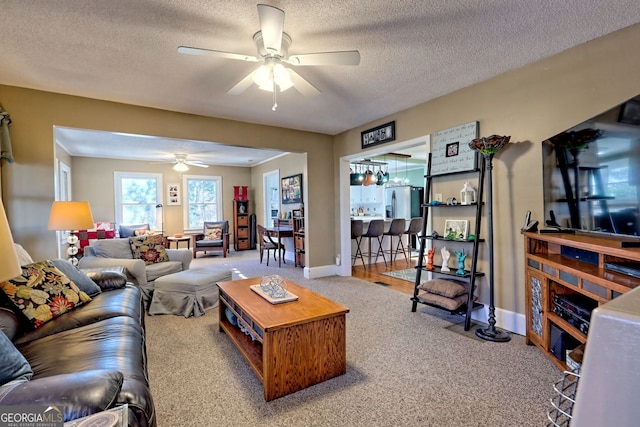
[[373, 245], [367, 218]]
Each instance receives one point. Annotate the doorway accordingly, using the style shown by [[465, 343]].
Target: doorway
[[345, 192], [270, 196]]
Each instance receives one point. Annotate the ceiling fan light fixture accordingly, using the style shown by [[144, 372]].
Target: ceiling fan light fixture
[[262, 76], [282, 77], [180, 167], [266, 74]]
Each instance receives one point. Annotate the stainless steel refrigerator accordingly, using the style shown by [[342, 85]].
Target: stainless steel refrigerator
[[403, 201]]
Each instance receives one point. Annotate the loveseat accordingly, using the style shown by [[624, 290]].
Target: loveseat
[[117, 252], [90, 358]]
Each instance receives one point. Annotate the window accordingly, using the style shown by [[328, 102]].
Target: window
[[203, 201], [137, 195]]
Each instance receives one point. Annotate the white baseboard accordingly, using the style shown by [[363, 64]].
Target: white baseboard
[[322, 271]]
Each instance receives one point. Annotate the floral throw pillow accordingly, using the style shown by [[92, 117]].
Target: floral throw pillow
[[42, 292], [214, 233], [149, 249]]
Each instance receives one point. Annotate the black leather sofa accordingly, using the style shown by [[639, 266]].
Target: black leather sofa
[[88, 360]]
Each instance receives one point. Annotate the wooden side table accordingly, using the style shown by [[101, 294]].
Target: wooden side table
[[177, 241]]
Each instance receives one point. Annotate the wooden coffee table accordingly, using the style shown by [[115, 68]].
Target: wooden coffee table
[[296, 344]]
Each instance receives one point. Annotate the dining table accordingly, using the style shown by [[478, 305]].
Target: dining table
[[279, 232]]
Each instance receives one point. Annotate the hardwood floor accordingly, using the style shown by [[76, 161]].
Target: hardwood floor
[[374, 274]]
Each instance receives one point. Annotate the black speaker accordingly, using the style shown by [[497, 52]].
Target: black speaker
[[560, 342], [252, 231], [579, 254]]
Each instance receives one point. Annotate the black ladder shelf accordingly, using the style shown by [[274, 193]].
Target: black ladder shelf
[[470, 274]]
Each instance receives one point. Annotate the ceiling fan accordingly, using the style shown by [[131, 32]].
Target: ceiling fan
[[181, 164], [273, 50]]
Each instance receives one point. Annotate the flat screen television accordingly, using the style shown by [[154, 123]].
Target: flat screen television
[[592, 173]]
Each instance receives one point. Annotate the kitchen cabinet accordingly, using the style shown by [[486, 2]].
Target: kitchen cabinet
[[367, 194]]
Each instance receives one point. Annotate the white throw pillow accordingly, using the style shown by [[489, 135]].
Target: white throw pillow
[[23, 256]]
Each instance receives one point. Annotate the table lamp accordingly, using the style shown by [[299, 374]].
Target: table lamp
[[9, 267], [71, 216]]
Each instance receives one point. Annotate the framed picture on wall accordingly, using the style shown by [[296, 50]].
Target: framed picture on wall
[[291, 189], [450, 150], [173, 194], [456, 229]]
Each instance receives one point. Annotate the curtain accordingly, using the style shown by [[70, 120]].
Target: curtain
[[5, 137]]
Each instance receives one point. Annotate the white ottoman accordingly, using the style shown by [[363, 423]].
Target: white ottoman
[[187, 293]]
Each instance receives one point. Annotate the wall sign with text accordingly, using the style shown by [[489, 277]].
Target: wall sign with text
[[450, 150], [378, 135]]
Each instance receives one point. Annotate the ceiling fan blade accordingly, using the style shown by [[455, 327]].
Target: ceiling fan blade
[[242, 85], [303, 86], [200, 165], [347, 57], [272, 26], [207, 52]]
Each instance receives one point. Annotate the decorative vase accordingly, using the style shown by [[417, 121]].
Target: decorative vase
[[274, 286]]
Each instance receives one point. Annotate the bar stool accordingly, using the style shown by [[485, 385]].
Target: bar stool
[[396, 229], [375, 231], [415, 227], [357, 225]]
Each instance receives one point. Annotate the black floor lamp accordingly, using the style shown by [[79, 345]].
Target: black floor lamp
[[489, 147], [161, 207]]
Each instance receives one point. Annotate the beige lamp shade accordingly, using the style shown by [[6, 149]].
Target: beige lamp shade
[[9, 266], [70, 216]]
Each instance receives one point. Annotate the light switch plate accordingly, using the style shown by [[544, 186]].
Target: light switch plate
[[438, 197]]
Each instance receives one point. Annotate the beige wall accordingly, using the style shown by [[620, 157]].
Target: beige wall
[[290, 164], [28, 183], [530, 104], [93, 180]]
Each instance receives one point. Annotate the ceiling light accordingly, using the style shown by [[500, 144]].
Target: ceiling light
[[180, 167], [272, 73]]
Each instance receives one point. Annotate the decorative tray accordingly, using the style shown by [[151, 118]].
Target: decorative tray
[[288, 298]]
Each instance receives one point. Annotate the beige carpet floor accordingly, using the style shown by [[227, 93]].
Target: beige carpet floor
[[403, 368]]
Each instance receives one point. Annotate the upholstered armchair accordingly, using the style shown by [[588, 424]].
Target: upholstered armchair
[[129, 230], [215, 237]]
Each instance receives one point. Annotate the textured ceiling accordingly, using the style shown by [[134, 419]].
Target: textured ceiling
[[411, 51]]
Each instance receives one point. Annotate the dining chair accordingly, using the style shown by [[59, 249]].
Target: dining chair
[[268, 244]]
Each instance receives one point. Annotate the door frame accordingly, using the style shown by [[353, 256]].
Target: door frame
[[268, 193], [344, 269]]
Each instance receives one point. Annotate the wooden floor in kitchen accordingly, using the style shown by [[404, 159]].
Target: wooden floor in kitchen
[[374, 274]]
